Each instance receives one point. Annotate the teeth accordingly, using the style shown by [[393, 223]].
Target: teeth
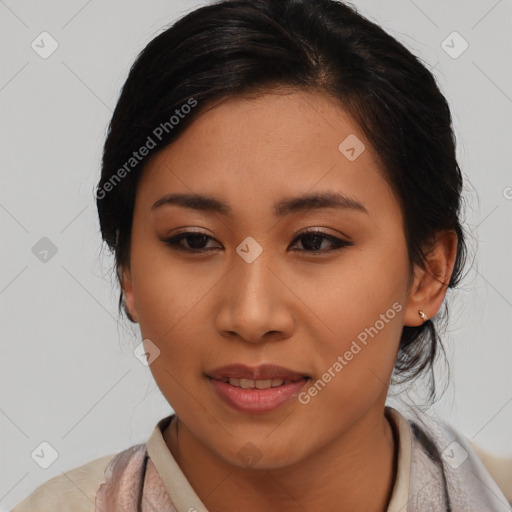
[[258, 384], [263, 384], [246, 383]]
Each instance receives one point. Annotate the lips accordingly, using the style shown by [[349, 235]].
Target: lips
[[256, 390], [258, 373]]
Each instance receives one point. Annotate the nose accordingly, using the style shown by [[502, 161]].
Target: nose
[[255, 303]]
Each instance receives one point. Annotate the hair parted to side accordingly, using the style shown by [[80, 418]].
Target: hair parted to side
[[237, 47]]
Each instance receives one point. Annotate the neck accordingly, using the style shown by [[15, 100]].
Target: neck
[[355, 472]]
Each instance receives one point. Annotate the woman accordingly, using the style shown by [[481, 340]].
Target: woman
[[281, 193]]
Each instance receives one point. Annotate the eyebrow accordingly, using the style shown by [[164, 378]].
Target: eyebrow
[[306, 202]]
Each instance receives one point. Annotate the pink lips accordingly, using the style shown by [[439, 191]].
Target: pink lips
[[255, 401]]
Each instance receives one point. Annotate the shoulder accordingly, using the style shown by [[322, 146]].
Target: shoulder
[[72, 490], [500, 468], [463, 470]]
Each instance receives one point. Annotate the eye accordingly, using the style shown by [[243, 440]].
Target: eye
[[312, 241], [195, 241], [314, 238]]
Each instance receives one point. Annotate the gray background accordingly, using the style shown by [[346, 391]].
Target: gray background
[[68, 373]]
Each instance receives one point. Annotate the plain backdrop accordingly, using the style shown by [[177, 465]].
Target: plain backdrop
[[68, 373]]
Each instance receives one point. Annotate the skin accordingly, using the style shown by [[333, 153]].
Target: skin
[[288, 307]]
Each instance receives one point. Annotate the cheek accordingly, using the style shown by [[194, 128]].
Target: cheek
[[164, 289], [357, 363], [361, 307], [170, 297], [352, 293], [168, 306]]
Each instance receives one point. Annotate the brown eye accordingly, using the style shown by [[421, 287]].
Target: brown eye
[[313, 240], [195, 242]]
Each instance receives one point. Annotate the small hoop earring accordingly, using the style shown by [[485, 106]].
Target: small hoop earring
[[423, 315]]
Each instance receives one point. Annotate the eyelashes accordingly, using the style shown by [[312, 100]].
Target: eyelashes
[[196, 240]]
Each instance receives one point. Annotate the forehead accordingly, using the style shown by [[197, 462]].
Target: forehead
[[254, 150]]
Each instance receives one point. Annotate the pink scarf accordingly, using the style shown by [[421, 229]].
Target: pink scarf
[[132, 484]]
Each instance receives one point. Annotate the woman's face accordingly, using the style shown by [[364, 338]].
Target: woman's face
[[254, 289]]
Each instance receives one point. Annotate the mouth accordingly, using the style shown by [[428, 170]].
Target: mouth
[[257, 384], [256, 389], [260, 374]]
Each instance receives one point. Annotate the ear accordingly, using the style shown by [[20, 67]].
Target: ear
[[129, 299], [431, 284]]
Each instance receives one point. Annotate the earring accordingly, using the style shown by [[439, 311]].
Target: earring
[[422, 314]]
